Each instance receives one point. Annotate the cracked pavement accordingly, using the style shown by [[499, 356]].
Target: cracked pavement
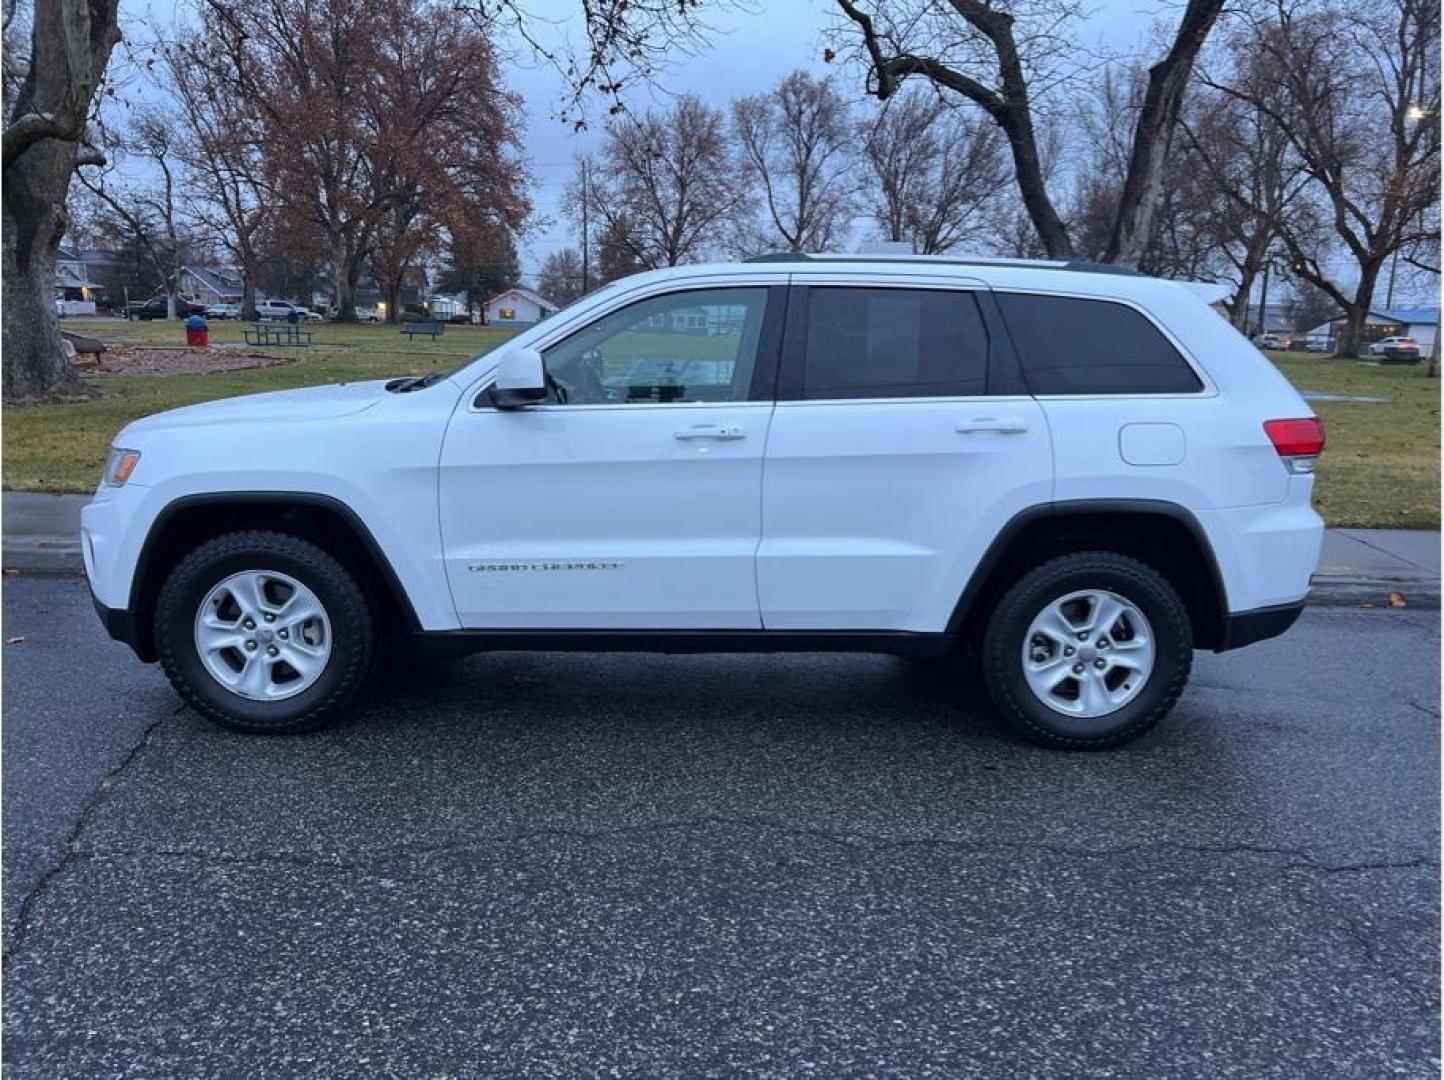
[[667, 865]]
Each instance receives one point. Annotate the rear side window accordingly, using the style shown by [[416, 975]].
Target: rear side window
[[867, 343], [1071, 346]]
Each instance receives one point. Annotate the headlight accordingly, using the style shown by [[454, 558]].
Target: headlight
[[120, 464]]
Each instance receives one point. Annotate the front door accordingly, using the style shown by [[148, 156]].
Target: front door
[[630, 498]]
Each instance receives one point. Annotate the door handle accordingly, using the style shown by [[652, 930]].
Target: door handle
[[1001, 425], [710, 431]]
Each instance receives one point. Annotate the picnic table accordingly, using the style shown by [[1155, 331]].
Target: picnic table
[[278, 333]]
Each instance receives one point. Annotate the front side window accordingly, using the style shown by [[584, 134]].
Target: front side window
[[880, 343], [1069, 345], [695, 346]]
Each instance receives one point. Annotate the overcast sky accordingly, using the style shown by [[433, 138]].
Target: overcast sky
[[757, 43], [751, 52]]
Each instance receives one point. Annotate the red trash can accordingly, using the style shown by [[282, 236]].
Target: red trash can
[[198, 335]]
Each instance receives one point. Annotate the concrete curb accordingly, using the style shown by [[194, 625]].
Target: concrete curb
[[1372, 592], [35, 555]]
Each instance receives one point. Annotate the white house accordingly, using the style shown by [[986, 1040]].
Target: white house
[[74, 291], [517, 307], [1421, 324]]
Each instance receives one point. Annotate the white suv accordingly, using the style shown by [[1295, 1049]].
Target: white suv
[[283, 309], [1079, 476]]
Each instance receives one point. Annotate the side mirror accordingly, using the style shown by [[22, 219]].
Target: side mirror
[[520, 380]]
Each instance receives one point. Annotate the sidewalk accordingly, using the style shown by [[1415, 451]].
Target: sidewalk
[[1358, 567]]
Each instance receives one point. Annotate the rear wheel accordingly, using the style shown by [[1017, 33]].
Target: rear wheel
[[264, 632], [1087, 651]]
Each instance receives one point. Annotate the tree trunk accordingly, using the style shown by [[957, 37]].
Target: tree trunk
[[34, 220], [345, 283], [1238, 308], [1153, 133], [248, 297], [393, 302], [1034, 189], [1357, 313]]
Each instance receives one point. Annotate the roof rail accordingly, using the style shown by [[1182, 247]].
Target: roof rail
[[1082, 266], [1085, 267]]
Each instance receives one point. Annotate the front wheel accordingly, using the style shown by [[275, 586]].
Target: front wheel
[[264, 632], [1087, 651]]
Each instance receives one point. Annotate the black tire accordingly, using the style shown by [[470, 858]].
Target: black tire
[[354, 644], [1138, 583]]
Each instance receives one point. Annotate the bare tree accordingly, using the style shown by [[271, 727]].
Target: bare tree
[[44, 140], [937, 173], [226, 184], [560, 279], [974, 48], [1250, 165], [663, 190], [148, 210], [794, 144], [626, 42], [1356, 93]]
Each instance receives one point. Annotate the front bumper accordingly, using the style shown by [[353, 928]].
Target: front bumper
[[1242, 628], [123, 625]]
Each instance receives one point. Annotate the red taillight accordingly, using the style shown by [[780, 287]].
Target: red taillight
[[1303, 438]]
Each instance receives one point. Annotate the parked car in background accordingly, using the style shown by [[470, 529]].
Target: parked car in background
[[1272, 341], [367, 314], [1319, 343], [1081, 476], [155, 308], [283, 310], [223, 311], [1400, 350]]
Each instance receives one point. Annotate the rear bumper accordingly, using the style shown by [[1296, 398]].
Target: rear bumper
[[1242, 628], [123, 625]]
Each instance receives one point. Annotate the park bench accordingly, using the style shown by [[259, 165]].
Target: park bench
[[281, 334], [431, 329]]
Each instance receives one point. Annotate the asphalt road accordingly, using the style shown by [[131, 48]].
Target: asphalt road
[[663, 866]]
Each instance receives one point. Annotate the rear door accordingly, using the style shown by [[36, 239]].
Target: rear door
[[901, 443]]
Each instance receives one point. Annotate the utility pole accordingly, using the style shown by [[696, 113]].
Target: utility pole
[[1263, 302], [586, 232]]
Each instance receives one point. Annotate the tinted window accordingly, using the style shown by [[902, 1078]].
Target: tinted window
[[1072, 346], [865, 343], [690, 346]]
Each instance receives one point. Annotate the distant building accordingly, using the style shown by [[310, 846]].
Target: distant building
[[1278, 318], [1421, 324], [75, 292], [414, 290], [517, 307], [207, 285]]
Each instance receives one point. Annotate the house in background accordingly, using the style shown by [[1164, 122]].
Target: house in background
[[1280, 318], [75, 293], [1421, 324], [447, 306], [207, 285], [517, 307], [415, 288]]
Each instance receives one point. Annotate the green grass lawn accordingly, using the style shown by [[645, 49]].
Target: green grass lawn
[[62, 447], [1381, 467]]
